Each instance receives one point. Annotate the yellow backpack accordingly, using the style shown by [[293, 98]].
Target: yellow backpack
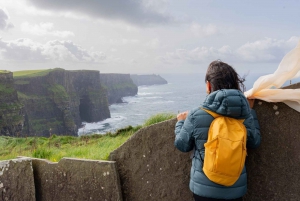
[[225, 149]]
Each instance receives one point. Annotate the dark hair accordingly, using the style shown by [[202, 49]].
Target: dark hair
[[223, 76]]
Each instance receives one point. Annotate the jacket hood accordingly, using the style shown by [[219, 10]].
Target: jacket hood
[[228, 102]]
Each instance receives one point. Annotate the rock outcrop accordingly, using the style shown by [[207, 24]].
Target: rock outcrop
[[153, 79], [118, 86], [58, 101], [11, 110]]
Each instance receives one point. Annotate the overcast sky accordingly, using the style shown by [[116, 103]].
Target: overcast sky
[[147, 36]]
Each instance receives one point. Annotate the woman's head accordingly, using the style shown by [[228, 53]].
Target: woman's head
[[220, 75]]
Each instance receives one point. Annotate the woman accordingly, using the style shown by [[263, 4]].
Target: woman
[[224, 97]]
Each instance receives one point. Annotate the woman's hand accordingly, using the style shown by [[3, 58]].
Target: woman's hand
[[251, 102], [182, 116]]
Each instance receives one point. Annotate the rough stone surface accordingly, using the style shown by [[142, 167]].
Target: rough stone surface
[[60, 100], [16, 180], [273, 168], [140, 80], [11, 110], [75, 179], [151, 168], [117, 86]]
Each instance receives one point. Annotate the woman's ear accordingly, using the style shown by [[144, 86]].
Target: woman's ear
[[208, 87]]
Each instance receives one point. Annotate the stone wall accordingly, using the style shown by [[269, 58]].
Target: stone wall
[[273, 168], [32, 179], [75, 179], [16, 180], [151, 168]]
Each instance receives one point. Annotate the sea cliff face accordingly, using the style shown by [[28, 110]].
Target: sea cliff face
[[60, 100], [140, 80], [11, 110], [118, 86]]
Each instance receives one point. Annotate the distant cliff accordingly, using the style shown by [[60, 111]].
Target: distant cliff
[[11, 110], [147, 79], [57, 101], [118, 86]]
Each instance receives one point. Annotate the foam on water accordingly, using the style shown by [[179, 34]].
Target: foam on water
[[183, 93], [100, 127]]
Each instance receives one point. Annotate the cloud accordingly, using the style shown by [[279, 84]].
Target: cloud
[[203, 31], [4, 24], [44, 29], [266, 50], [198, 55], [262, 51], [153, 43], [132, 11], [67, 51]]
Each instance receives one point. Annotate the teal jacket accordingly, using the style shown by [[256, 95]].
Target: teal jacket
[[192, 132]]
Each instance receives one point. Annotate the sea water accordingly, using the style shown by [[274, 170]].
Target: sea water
[[182, 93]]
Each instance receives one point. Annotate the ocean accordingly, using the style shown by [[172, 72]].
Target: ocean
[[182, 93]]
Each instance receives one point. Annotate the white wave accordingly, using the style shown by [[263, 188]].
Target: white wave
[[98, 127], [153, 97], [144, 94]]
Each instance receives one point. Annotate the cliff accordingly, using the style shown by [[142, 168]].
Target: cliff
[[118, 86], [57, 101], [11, 110], [140, 80]]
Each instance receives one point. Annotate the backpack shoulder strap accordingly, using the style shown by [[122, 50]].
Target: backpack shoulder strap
[[215, 115]]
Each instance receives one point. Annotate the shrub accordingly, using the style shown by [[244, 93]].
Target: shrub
[[42, 153]]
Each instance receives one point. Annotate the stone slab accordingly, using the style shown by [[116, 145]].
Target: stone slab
[[151, 168], [273, 168], [76, 179], [16, 180]]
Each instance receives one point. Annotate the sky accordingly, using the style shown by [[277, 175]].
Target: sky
[[147, 36]]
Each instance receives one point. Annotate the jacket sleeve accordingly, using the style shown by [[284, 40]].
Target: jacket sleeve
[[253, 130], [184, 140]]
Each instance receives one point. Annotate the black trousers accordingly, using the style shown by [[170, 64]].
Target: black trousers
[[199, 198]]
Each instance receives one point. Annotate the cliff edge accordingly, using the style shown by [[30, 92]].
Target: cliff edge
[[11, 109], [57, 101], [153, 79], [118, 86]]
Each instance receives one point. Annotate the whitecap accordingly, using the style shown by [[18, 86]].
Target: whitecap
[[100, 127]]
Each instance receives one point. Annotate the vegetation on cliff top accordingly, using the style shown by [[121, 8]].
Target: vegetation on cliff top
[[31, 73], [4, 71], [97, 147]]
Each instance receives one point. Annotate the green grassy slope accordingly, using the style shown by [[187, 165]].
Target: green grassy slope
[[97, 147]]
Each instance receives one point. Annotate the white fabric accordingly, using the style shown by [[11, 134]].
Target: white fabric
[[267, 87]]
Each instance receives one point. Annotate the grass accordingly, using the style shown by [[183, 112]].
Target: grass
[[33, 73], [159, 118], [4, 71], [29, 73], [96, 147]]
